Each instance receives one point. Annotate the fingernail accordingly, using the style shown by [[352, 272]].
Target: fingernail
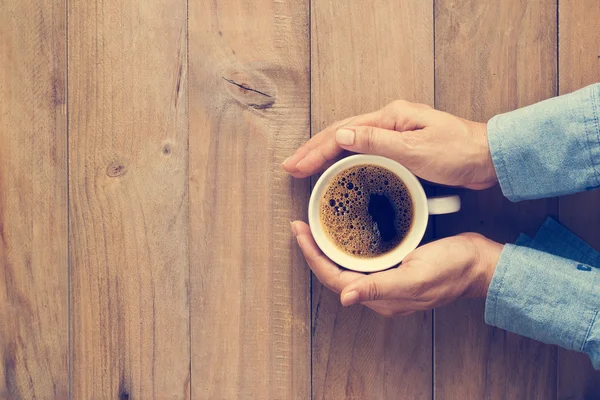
[[286, 160], [350, 298], [293, 228], [345, 137]]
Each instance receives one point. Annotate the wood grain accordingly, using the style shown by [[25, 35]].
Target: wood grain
[[128, 159], [492, 57], [579, 66], [33, 201], [365, 55], [249, 110], [151, 281]]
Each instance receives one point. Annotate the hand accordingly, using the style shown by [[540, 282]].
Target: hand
[[431, 276], [434, 145]]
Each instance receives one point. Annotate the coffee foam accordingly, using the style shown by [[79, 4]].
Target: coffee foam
[[345, 213]]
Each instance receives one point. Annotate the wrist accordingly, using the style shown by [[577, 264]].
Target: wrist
[[485, 175], [484, 258]]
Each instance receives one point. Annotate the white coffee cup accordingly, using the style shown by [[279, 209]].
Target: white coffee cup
[[422, 208]]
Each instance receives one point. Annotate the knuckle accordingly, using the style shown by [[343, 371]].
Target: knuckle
[[431, 303], [373, 291], [417, 289], [370, 139], [399, 104], [415, 292], [318, 155]]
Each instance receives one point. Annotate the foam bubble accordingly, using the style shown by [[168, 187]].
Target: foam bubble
[[349, 223]]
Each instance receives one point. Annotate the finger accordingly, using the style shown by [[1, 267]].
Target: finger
[[319, 157], [290, 163], [299, 174], [322, 148], [381, 142], [395, 284], [328, 273], [387, 311]]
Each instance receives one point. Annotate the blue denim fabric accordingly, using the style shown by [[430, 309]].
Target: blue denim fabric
[[540, 291], [550, 148], [554, 238], [548, 287]]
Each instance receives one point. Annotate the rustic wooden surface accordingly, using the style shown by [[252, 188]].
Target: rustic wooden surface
[[33, 201], [249, 110], [128, 170], [361, 61], [579, 66], [145, 249]]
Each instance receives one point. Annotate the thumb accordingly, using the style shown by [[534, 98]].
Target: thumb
[[379, 286], [372, 140]]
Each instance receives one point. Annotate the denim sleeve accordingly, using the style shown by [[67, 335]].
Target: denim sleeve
[[550, 148], [549, 297]]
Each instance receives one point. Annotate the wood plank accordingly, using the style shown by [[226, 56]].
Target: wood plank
[[492, 57], [33, 201], [249, 110], [579, 66], [362, 60], [128, 158]]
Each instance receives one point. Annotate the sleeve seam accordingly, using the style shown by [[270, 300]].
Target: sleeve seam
[[589, 331]]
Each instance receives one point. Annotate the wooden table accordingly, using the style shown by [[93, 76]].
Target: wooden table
[[145, 251]]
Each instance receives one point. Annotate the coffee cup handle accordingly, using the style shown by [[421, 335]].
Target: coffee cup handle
[[443, 205]]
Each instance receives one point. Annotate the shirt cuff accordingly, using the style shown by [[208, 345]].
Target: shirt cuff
[[548, 298], [555, 239], [550, 148]]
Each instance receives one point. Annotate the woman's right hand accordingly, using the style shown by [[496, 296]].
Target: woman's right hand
[[434, 145]]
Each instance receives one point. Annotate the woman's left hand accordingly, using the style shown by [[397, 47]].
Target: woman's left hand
[[431, 276]]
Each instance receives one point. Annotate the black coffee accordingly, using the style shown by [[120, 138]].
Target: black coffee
[[366, 210]]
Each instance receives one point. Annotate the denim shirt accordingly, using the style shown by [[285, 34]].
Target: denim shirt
[[548, 287]]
